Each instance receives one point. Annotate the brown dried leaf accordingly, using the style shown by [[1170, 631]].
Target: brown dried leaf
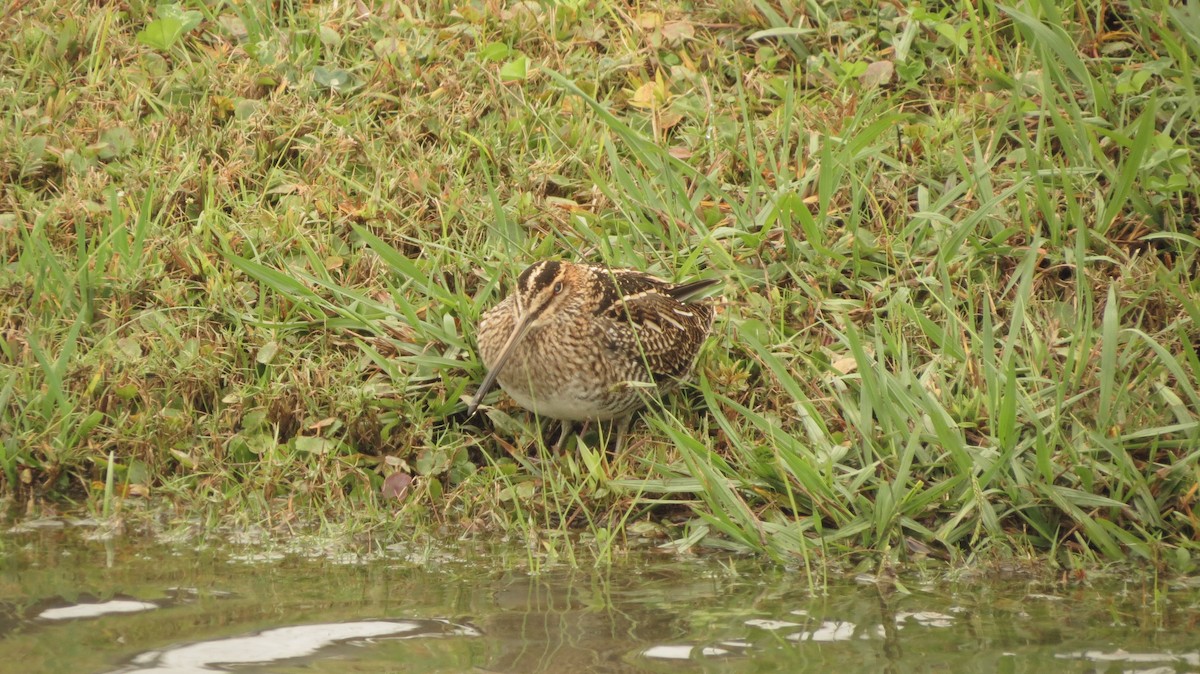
[[327, 421], [877, 74], [396, 485], [644, 96], [668, 119], [649, 20], [675, 32], [845, 364]]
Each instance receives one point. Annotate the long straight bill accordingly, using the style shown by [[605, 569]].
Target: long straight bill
[[513, 339]]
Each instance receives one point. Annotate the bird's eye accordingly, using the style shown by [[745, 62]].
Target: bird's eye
[[558, 287]]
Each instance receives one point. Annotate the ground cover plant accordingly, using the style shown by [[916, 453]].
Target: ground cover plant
[[244, 247]]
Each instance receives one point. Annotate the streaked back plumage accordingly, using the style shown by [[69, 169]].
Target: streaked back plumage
[[585, 342]]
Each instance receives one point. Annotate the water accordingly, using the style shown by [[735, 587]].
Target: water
[[131, 606]]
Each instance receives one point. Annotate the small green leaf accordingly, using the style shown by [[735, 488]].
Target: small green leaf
[[116, 142], [328, 36], [521, 491], [173, 22], [188, 18], [315, 445], [254, 420], [260, 443], [138, 472], [247, 445], [389, 48], [338, 80], [434, 489], [161, 33], [67, 39], [267, 353], [34, 149], [244, 108], [433, 462], [129, 348], [184, 459], [494, 51], [515, 70]]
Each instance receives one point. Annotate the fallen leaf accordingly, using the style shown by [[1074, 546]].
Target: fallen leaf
[[877, 74], [396, 485], [668, 119], [129, 348], [644, 96], [845, 365], [314, 444], [137, 491], [267, 353], [564, 204], [649, 20], [234, 27], [184, 460], [327, 421], [675, 32]]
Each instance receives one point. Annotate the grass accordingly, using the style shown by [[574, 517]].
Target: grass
[[245, 245]]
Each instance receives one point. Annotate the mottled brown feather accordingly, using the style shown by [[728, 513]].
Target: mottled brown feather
[[594, 333], [663, 331]]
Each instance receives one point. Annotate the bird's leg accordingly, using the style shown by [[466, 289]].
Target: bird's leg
[[620, 427], [565, 428]]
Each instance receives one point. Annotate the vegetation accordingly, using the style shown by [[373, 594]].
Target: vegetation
[[245, 244]]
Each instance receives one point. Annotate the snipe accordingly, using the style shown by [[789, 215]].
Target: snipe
[[580, 342]]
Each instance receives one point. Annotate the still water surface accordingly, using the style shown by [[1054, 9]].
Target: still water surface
[[132, 606]]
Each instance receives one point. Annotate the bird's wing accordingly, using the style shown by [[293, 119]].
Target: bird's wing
[[664, 332]]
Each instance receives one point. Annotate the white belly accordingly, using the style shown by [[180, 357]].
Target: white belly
[[561, 406]]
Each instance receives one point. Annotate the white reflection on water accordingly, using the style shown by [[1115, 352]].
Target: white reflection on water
[[830, 630], [681, 651], [96, 610], [1120, 655], [274, 645], [925, 618], [764, 624]]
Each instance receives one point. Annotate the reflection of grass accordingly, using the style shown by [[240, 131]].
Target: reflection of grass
[[960, 311]]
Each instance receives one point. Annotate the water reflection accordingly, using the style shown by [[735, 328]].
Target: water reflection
[[1120, 657], [72, 605], [95, 609], [277, 646]]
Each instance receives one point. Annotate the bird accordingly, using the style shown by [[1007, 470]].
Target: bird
[[583, 342]]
